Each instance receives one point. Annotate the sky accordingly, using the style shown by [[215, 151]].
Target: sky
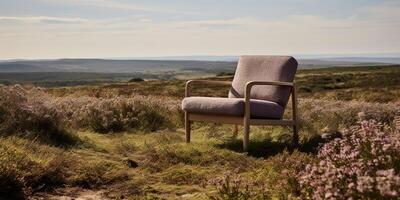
[[46, 29]]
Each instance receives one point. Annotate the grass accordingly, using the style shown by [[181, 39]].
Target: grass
[[144, 156], [167, 166], [27, 167]]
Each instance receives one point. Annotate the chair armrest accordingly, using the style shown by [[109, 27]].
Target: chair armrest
[[250, 84], [189, 84]]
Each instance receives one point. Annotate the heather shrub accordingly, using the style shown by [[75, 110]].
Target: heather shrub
[[27, 112], [27, 167], [105, 115], [32, 112], [153, 117], [108, 115], [329, 116], [281, 173], [232, 185], [363, 164]]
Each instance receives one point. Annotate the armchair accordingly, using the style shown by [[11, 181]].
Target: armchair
[[259, 93]]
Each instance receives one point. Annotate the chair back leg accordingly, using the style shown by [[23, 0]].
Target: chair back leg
[[295, 140], [246, 135], [235, 130], [246, 138], [187, 127]]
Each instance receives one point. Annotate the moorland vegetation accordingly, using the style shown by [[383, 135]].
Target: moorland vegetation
[[126, 140]]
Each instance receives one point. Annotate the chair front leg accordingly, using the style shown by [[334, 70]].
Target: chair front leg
[[246, 118], [187, 127]]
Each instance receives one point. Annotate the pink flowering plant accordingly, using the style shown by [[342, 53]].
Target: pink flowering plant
[[329, 116], [363, 164]]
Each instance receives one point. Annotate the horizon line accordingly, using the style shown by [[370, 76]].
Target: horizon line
[[216, 57]]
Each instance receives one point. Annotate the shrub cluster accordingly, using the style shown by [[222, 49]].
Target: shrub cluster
[[281, 173], [363, 164], [329, 116], [29, 112], [105, 115]]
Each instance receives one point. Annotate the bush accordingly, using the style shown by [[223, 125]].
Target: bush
[[136, 79], [32, 112], [27, 112], [281, 173], [330, 116], [364, 164], [118, 114]]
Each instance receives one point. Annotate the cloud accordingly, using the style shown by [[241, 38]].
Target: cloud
[[119, 5], [385, 9], [43, 19]]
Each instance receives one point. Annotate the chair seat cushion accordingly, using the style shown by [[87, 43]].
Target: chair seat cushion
[[259, 109]]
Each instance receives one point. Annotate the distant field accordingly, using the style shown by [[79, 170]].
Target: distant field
[[71, 72], [368, 83], [113, 66]]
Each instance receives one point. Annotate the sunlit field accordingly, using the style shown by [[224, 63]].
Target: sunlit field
[[126, 141]]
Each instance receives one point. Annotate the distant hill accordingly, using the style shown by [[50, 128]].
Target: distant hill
[[392, 60], [112, 66], [227, 64]]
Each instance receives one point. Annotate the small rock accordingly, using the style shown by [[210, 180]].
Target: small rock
[[131, 163]]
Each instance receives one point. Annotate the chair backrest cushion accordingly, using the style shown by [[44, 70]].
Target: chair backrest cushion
[[264, 68]]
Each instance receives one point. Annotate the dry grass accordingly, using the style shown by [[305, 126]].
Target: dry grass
[[27, 167]]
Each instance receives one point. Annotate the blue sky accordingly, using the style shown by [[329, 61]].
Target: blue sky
[[132, 28]]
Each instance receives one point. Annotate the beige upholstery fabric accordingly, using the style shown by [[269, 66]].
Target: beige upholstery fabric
[[232, 106], [264, 68]]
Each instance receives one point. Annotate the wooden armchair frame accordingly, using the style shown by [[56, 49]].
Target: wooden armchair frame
[[245, 120]]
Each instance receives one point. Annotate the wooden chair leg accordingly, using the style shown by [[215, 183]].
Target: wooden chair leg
[[246, 137], [295, 140], [187, 127], [235, 130]]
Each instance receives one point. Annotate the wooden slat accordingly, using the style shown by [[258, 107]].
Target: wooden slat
[[272, 122], [216, 118], [238, 120]]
